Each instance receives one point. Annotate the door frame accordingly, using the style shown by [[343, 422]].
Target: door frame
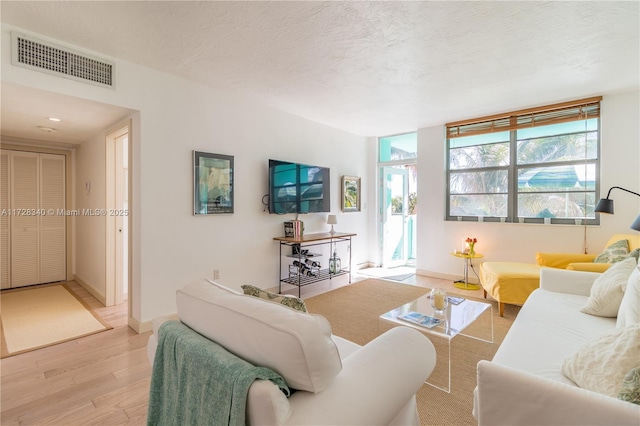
[[113, 287]]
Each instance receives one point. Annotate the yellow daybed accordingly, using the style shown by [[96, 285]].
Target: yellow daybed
[[585, 262], [512, 283]]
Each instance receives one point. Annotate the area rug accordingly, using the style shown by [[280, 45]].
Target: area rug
[[37, 317], [353, 313]]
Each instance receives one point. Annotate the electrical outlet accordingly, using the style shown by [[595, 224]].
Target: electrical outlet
[[216, 274]]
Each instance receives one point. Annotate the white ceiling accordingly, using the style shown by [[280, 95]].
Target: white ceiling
[[371, 68]]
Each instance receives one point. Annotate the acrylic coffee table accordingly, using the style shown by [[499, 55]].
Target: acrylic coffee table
[[457, 318]]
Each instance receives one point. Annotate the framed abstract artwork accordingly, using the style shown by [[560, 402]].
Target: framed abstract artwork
[[212, 183], [350, 194]]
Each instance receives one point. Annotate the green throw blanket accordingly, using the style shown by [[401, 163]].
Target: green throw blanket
[[195, 381]]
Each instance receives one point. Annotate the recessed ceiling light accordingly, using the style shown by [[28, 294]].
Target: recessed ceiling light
[[54, 119], [47, 129]]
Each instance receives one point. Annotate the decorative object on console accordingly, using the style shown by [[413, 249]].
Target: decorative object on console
[[332, 219], [334, 263], [212, 183], [293, 228], [605, 205], [350, 194]]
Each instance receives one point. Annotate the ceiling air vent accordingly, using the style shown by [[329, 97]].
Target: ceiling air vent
[[39, 55]]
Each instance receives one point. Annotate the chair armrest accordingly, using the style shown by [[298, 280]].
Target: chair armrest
[[588, 266], [375, 383], [506, 396], [566, 281], [561, 260]]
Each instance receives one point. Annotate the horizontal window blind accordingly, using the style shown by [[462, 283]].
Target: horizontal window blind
[[532, 117]]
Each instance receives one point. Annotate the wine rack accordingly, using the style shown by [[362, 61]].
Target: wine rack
[[300, 253]]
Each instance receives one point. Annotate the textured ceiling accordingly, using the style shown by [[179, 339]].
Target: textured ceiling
[[371, 68]]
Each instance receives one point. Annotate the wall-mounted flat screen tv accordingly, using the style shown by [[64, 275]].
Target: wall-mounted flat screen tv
[[298, 188]]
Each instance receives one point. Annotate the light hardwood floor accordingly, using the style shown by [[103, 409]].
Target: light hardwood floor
[[99, 379]]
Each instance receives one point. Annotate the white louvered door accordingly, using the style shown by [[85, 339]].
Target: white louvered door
[[52, 226], [5, 218], [24, 226], [37, 237]]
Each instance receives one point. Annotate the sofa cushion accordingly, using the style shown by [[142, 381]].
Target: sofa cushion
[[630, 391], [283, 299], [608, 289], [298, 345], [602, 364], [629, 312], [613, 253]]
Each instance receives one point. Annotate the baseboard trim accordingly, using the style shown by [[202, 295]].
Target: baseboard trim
[[139, 327], [90, 289]]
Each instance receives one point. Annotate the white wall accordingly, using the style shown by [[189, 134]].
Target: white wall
[[620, 151], [90, 242], [172, 247]]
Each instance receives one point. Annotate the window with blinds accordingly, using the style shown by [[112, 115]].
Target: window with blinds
[[536, 165]]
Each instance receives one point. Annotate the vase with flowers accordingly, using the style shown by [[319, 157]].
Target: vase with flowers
[[471, 242]]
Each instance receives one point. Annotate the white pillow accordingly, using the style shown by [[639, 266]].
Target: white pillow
[[600, 366], [296, 344], [629, 312], [608, 289]]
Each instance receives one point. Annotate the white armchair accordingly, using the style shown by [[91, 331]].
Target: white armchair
[[337, 381]]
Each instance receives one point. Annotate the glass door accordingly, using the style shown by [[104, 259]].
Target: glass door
[[395, 209]]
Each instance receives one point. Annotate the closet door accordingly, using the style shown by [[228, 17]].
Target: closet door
[[5, 218], [52, 224], [24, 219]]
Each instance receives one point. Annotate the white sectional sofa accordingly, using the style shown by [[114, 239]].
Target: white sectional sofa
[[337, 381], [524, 384]]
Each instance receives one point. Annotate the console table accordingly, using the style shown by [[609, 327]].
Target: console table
[[303, 243]]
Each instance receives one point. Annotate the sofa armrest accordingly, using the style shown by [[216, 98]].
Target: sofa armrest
[[152, 343], [375, 383], [561, 260], [506, 396], [588, 266], [566, 281]]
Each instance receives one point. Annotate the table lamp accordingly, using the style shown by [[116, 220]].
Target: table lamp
[[605, 205], [332, 219]]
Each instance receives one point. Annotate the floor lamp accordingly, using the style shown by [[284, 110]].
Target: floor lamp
[[605, 205]]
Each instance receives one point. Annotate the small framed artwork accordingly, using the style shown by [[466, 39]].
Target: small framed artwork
[[350, 194], [212, 183]]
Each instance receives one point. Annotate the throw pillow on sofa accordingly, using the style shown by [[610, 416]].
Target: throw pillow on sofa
[[608, 289], [601, 365], [629, 312], [286, 300], [615, 252], [630, 391], [635, 254]]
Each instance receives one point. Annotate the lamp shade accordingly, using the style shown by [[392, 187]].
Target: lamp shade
[[636, 224], [605, 205], [332, 219]]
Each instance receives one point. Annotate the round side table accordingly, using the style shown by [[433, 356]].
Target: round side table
[[466, 285]]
